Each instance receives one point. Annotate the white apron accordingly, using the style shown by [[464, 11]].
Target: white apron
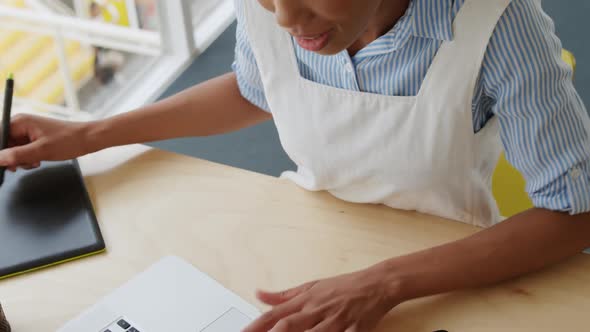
[[413, 153]]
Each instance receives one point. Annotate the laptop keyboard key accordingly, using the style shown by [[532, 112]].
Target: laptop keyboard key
[[133, 329], [122, 323]]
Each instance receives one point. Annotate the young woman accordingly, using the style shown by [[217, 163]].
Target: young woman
[[396, 102]]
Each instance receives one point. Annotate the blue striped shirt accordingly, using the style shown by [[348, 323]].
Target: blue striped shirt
[[545, 128]]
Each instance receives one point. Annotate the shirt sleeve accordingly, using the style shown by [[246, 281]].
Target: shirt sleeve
[[545, 127], [245, 66]]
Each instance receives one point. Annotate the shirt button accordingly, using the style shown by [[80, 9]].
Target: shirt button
[[575, 173], [348, 68]]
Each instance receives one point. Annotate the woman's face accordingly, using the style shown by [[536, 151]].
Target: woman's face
[[324, 26]]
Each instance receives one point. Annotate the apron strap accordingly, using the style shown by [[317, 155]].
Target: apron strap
[[451, 70], [261, 23]]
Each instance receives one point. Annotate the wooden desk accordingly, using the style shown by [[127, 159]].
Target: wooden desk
[[249, 230]]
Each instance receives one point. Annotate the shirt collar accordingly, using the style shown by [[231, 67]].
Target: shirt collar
[[423, 18], [433, 19]]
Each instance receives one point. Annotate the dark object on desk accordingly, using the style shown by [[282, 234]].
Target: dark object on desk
[[4, 326], [46, 218]]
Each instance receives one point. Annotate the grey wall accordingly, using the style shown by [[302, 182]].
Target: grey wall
[[572, 22]]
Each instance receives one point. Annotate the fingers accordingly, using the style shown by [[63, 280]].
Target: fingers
[[276, 298], [302, 321], [21, 152], [24, 155], [19, 127], [30, 166], [331, 325], [269, 319], [17, 141], [25, 167]]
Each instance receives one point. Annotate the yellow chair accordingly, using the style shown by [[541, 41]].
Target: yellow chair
[[508, 185], [121, 17]]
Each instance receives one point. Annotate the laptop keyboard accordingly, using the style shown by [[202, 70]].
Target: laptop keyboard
[[232, 320], [121, 325]]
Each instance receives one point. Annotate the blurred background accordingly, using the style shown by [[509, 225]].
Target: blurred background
[[84, 59], [88, 59]]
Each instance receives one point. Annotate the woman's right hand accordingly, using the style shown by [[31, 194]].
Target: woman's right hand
[[34, 139]]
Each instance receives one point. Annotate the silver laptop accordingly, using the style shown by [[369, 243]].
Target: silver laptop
[[171, 295]]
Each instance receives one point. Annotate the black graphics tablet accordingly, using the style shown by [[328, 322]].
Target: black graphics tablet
[[46, 218]]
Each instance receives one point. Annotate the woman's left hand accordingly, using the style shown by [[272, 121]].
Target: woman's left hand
[[353, 302]]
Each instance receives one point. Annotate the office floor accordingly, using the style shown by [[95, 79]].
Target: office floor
[[258, 148]]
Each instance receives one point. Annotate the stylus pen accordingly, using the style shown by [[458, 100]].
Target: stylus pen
[[8, 92]]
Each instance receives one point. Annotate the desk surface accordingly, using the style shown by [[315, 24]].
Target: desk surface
[[249, 230]]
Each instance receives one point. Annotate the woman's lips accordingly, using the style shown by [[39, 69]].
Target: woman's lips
[[313, 43]]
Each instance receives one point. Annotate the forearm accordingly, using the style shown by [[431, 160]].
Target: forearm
[[519, 245], [213, 107]]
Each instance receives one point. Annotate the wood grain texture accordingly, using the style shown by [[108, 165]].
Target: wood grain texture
[[249, 230]]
